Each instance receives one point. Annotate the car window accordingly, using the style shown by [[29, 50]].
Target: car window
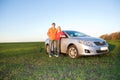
[[75, 34]]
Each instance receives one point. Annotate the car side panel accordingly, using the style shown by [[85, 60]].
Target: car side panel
[[65, 42]]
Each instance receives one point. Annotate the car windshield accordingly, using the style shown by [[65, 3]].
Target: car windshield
[[75, 34]]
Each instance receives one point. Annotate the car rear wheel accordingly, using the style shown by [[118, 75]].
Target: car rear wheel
[[47, 49], [72, 51]]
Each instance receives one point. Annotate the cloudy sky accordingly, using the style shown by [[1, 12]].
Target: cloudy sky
[[29, 20]]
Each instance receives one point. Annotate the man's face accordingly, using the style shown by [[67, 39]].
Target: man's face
[[53, 26]]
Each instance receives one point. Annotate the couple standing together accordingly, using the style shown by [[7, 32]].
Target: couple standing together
[[54, 35]]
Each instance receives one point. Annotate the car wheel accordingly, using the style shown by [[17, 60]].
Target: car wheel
[[72, 51], [47, 49]]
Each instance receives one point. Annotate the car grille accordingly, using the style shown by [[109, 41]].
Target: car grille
[[100, 43], [101, 51]]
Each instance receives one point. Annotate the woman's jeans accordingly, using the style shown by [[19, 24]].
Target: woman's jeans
[[58, 47]]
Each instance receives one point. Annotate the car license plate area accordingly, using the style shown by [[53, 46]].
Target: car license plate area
[[104, 48]]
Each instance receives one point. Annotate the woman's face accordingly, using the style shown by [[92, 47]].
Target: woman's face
[[59, 28]]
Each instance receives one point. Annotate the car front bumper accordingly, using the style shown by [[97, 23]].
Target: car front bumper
[[96, 50]]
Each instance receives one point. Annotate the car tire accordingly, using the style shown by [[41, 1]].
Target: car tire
[[47, 49], [72, 51]]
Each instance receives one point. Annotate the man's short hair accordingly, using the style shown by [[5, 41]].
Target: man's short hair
[[53, 23]]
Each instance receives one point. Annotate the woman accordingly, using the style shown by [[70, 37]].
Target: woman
[[58, 37]]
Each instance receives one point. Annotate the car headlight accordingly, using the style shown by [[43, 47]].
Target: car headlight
[[88, 43]]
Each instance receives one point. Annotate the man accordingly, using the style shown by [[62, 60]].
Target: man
[[52, 39]]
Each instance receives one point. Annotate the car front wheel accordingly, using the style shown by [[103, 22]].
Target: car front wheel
[[72, 51]]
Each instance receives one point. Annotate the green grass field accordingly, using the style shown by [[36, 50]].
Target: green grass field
[[28, 61]]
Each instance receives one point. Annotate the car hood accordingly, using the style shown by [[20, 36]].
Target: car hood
[[93, 39]]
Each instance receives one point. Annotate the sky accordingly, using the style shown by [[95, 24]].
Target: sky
[[29, 20]]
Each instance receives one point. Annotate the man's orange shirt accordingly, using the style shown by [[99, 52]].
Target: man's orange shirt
[[52, 33]]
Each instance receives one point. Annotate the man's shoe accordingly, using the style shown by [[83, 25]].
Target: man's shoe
[[50, 56]]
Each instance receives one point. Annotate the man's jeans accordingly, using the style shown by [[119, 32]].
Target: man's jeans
[[52, 47]]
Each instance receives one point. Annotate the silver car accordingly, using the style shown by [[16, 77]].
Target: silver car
[[77, 44]]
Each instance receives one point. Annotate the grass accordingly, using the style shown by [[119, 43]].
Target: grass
[[28, 61]]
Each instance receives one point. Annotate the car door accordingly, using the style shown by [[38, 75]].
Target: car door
[[64, 45]]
